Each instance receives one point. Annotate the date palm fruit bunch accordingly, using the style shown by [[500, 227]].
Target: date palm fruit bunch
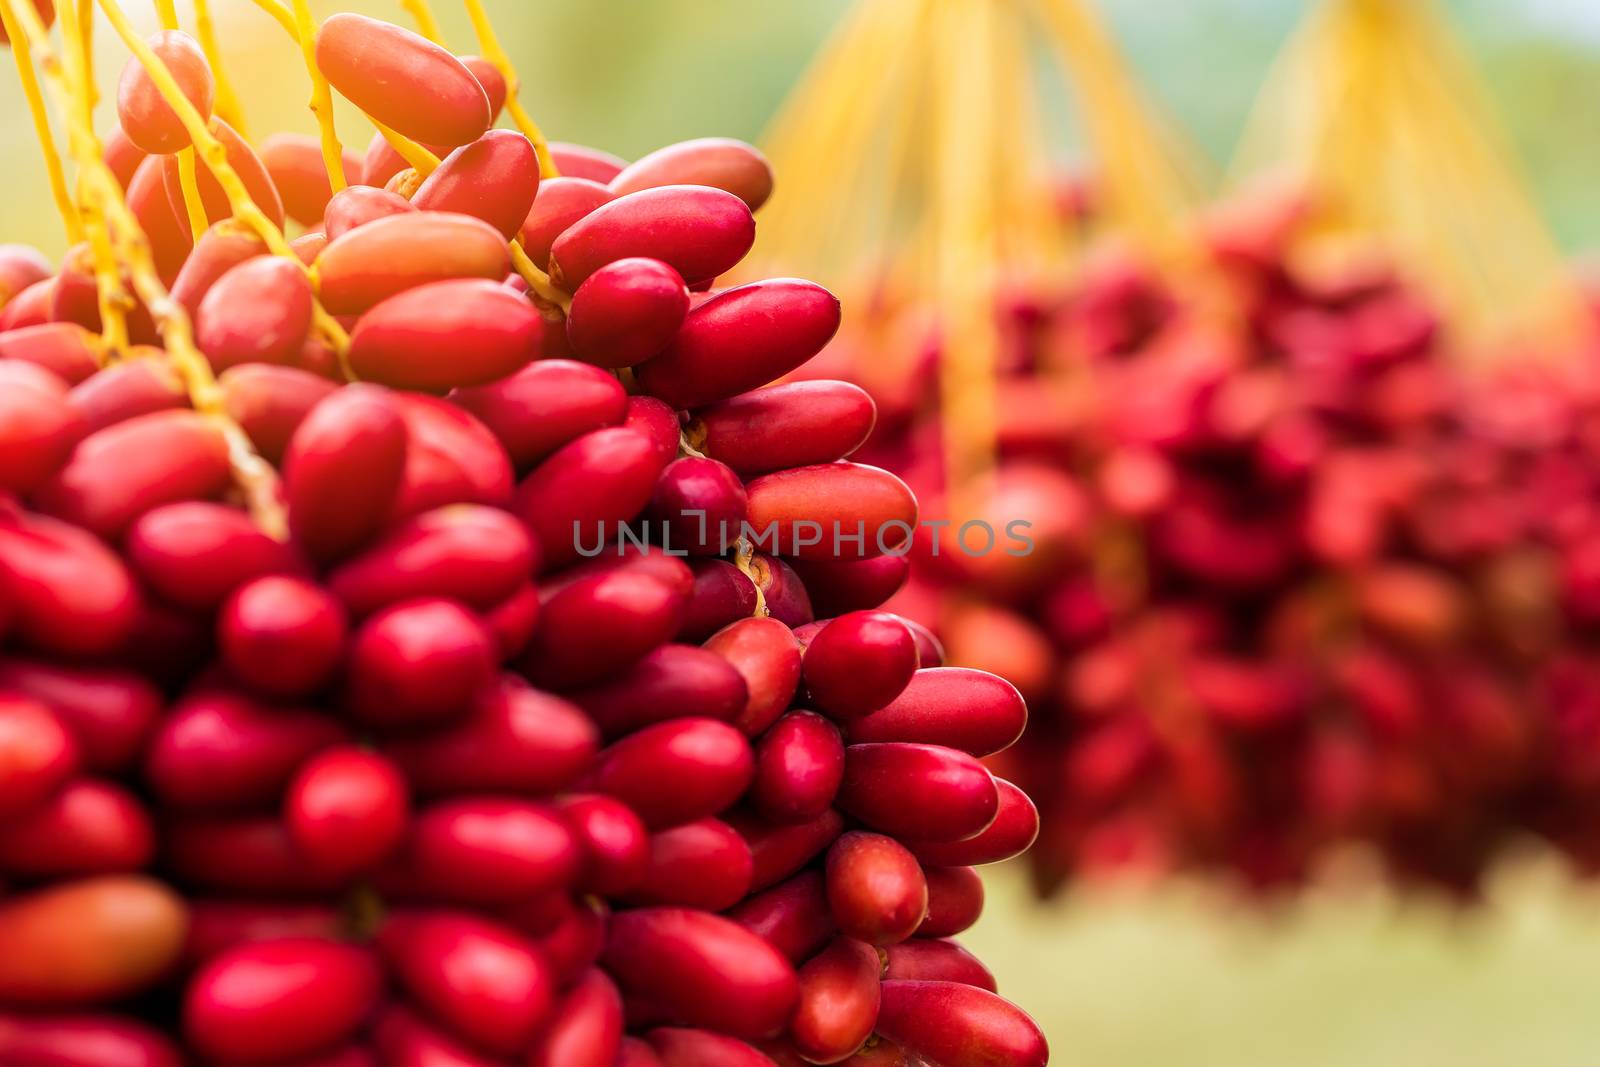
[[410, 650], [1309, 476]]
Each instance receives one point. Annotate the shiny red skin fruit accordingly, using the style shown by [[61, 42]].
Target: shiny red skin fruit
[[75, 298], [221, 248], [488, 330], [86, 827], [23, 265], [282, 635], [395, 253], [781, 849], [143, 116], [792, 916], [702, 864], [167, 232], [481, 980], [487, 851], [493, 82], [346, 809], [418, 662], [193, 554], [474, 554], [1014, 829], [949, 1024], [110, 713], [495, 178], [598, 626], [581, 161], [560, 202], [451, 458], [39, 426], [580, 493], [720, 162], [244, 161], [402, 79], [122, 156], [544, 405], [342, 469], [721, 595], [626, 312], [270, 1001], [701, 968], [686, 1047], [83, 1041], [616, 844], [586, 1028], [358, 205], [936, 960], [37, 754], [739, 339], [764, 651], [403, 1039], [838, 1001], [918, 791], [269, 403], [859, 662], [796, 424], [677, 771], [105, 938], [258, 312], [805, 505], [137, 387], [840, 586], [698, 231], [218, 750], [69, 593], [955, 900], [31, 306], [697, 507], [295, 162], [216, 926], [657, 421], [117, 474], [669, 682], [515, 740], [65, 349], [875, 888], [959, 707], [799, 764]]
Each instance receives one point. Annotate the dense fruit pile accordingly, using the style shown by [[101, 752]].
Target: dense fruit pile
[[1298, 581], [459, 772]]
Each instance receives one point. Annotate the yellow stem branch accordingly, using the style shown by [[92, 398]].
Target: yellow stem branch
[[305, 33], [227, 98], [427, 24], [22, 52]]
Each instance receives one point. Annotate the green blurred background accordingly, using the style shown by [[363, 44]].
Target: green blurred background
[[1119, 976]]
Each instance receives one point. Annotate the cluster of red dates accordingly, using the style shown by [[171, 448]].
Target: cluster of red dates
[[517, 751], [1301, 579]]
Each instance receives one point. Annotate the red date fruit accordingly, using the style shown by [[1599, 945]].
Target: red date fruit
[[544, 405], [281, 635], [720, 162], [702, 864], [576, 497], [473, 554], [931, 960], [83, 1041], [582, 161], [697, 231], [797, 424], [586, 1028], [781, 849], [364, 265], [37, 754], [955, 900], [793, 916], [831, 511], [875, 888], [669, 682], [495, 178], [109, 712], [358, 205], [676, 772], [269, 403], [838, 1002], [146, 118], [69, 594], [616, 844], [859, 662], [840, 586], [489, 851], [799, 764], [1013, 830], [258, 312], [958, 707], [739, 339], [39, 426], [418, 662], [702, 968], [560, 202], [488, 331], [298, 170], [342, 469], [270, 1001], [143, 384], [626, 312], [684, 1047], [946, 1023], [918, 791], [402, 79], [766, 653], [346, 810], [245, 163], [222, 750]]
